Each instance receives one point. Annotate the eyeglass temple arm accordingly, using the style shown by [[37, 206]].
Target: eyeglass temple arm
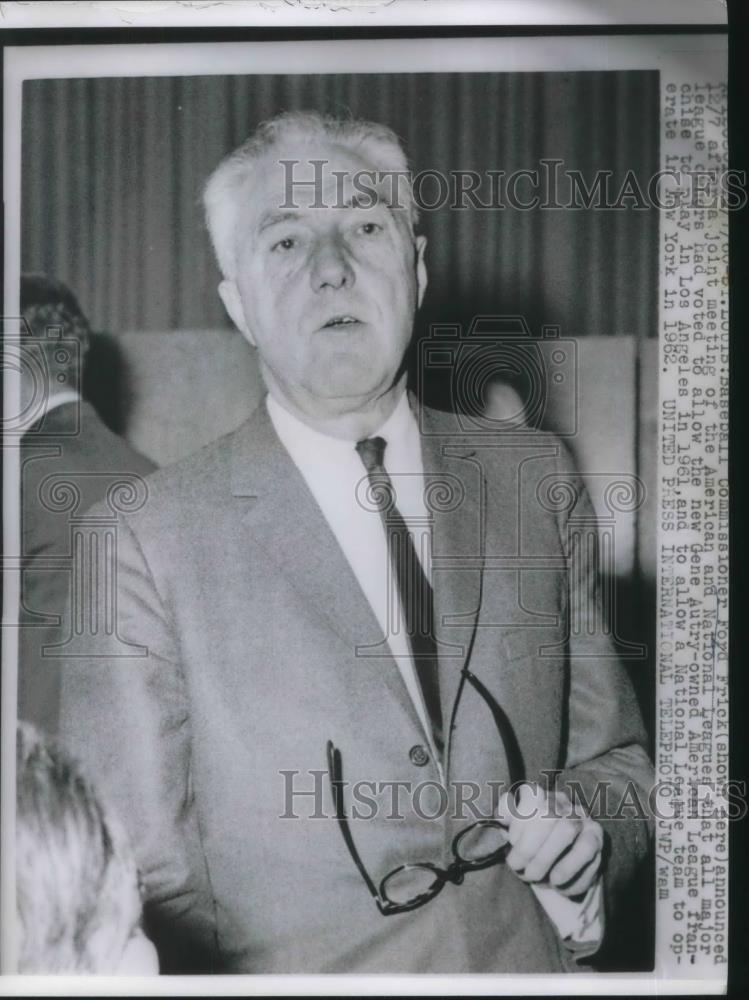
[[513, 752], [335, 769]]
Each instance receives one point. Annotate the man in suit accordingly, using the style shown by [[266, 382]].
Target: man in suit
[[353, 627], [66, 449]]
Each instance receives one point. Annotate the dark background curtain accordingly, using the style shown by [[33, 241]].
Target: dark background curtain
[[113, 169]]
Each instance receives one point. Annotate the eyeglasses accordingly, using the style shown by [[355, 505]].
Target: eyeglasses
[[480, 845]]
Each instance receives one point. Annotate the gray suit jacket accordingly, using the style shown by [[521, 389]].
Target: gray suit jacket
[[254, 646], [69, 451]]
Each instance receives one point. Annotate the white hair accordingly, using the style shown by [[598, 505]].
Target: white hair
[[378, 144]]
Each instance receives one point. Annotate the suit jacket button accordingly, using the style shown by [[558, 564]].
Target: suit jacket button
[[418, 755]]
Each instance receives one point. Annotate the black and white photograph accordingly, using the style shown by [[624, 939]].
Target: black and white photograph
[[365, 415]]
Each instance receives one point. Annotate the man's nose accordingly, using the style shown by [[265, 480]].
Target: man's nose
[[330, 265]]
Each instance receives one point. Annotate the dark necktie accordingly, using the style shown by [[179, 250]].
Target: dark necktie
[[415, 591]]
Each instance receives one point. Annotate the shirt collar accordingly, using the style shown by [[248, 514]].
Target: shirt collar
[[60, 398], [304, 443], [53, 401]]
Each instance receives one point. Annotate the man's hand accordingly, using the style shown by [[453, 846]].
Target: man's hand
[[553, 841]]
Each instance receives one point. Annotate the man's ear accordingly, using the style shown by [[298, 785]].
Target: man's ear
[[233, 304], [421, 269]]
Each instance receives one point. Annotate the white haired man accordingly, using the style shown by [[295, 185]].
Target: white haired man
[[350, 615]]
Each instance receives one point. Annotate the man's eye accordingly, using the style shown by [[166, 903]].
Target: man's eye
[[370, 228], [287, 243]]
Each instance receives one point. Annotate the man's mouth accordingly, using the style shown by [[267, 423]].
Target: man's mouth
[[345, 319]]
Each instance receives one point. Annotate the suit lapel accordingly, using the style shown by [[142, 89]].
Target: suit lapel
[[287, 523], [454, 485]]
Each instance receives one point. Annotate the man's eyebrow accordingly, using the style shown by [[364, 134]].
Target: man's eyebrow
[[366, 200], [369, 199], [273, 218]]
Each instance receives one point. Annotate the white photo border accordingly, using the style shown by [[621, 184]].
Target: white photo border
[[511, 54]]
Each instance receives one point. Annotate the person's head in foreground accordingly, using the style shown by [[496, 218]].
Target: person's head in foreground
[[77, 898], [322, 272]]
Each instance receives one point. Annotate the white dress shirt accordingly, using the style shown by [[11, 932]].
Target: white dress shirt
[[52, 400], [338, 481], [336, 476]]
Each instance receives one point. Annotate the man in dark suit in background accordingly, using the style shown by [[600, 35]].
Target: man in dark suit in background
[[65, 448], [347, 593]]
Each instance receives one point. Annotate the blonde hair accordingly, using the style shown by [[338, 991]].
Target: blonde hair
[[77, 897]]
